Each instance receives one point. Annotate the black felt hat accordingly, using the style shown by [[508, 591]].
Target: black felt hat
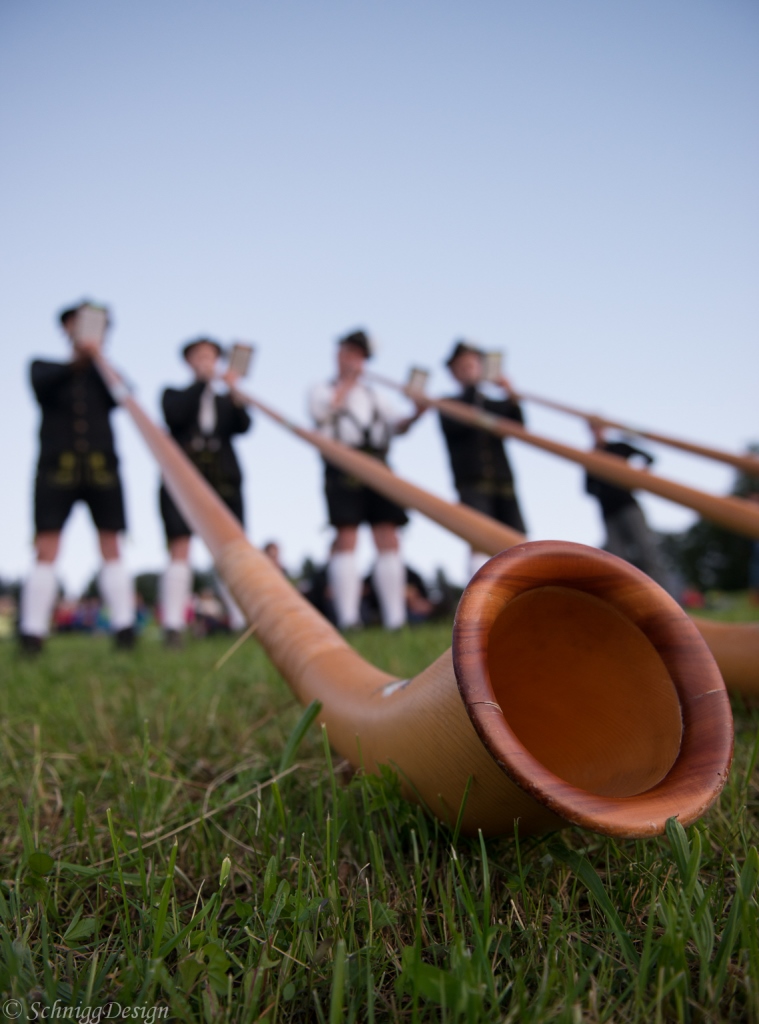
[[186, 349], [359, 339], [459, 348]]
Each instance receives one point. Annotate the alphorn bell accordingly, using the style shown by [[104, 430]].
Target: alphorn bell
[[745, 463], [577, 691], [732, 513]]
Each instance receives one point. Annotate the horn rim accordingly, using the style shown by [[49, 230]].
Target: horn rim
[[701, 767]]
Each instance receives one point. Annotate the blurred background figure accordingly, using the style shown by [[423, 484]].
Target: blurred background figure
[[209, 616], [348, 410], [481, 470], [77, 462], [203, 420], [627, 532], [272, 551], [419, 606]]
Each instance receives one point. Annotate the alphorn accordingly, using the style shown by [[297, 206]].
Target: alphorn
[[746, 463], [732, 513], [576, 689], [735, 646]]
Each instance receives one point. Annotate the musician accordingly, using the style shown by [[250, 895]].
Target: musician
[[202, 420], [482, 474], [627, 532], [77, 462], [348, 410]]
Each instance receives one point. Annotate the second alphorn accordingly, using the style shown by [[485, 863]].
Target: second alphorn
[[576, 691], [745, 463]]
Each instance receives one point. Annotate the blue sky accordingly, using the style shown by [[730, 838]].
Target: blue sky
[[574, 183]]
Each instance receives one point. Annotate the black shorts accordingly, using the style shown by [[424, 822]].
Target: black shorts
[[92, 477], [174, 522], [350, 502], [496, 500]]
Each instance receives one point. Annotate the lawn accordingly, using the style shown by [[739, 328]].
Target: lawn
[[178, 843]]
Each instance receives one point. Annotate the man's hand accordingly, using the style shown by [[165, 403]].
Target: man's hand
[[504, 382]]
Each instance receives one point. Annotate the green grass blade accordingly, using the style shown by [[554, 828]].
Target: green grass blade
[[591, 880], [163, 907], [297, 736]]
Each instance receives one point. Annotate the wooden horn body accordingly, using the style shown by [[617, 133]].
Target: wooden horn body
[[577, 691], [745, 463]]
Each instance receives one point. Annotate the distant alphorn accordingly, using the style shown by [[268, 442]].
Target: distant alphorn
[[732, 513], [534, 731], [745, 463]]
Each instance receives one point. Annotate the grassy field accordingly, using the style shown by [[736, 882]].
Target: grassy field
[[178, 843]]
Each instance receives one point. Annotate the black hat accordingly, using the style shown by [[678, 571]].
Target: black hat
[[186, 349], [359, 339], [459, 348], [65, 314]]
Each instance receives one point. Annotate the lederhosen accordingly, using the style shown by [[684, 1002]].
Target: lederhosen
[[77, 460], [349, 501], [481, 470], [211, 453]]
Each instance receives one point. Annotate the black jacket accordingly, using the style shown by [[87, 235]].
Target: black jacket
[[611, 497], [212, 453], [75, 407], [477, 455]]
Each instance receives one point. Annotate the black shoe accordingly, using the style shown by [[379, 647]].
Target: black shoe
[[125, 639], [173, 639], [30, 645]]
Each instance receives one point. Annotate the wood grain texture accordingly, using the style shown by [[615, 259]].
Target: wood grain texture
[[622, 758]]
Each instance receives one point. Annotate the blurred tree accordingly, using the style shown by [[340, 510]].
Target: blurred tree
[[146, 585], [10, 587], [710, 557]]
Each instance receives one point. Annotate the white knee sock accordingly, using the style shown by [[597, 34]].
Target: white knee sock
[[345, 583], [117, 591], [476, 560], [38, 596], [390, 583], [174, 595], [237, 620]]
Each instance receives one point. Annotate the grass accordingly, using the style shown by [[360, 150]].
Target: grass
[[730, 607], [178, 843]]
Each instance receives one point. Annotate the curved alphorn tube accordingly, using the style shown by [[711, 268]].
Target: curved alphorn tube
[[735, 646], [732, 513], [746, 463], [577, 691]]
